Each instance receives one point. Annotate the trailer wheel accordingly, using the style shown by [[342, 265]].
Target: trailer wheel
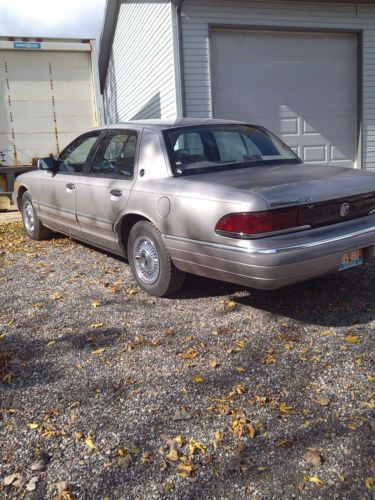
[[31, 222]]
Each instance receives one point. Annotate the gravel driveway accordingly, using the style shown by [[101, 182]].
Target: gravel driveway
[[219, 392]]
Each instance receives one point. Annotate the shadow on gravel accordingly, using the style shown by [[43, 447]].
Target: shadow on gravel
[[337, 300], [32, 362]]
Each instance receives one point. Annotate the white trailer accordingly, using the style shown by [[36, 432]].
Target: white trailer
[[49, 94]]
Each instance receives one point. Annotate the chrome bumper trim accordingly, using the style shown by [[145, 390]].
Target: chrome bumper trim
[[267, 251]]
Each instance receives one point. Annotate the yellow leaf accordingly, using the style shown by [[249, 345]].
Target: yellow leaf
[[196, 446], [326, 333], [213, 363], [240, 369], [189, 354], [352, 339], [315, 480], [369, 405], [77, 436], [172, 455], [241, 343], [33, 426], [95, 303], [229, 304], [180, 440], [323, 401], [185, 470], [351, 427], [131, 291], [369, 483], [370, 378], [284, 408], [198, 379], [96, 325], [90, 443], [51, 342], [55, 296], [98, 351]]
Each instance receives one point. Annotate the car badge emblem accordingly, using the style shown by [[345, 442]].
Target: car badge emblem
[[344, 209]]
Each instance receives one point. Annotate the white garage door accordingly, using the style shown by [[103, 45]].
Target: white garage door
[[300, 86]]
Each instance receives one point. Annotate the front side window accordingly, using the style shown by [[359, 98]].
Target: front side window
[[195, 150], [74, 157], [116, 155]]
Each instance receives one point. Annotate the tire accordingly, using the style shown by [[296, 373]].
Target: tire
[[31, 222], [150, 262]]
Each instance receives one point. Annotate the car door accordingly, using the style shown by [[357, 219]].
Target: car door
[[105, 188], [57, 193]]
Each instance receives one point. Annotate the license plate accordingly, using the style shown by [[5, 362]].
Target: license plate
[[351, 259]]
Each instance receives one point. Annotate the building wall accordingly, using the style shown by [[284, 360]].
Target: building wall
[[198, 14], [140, 81]]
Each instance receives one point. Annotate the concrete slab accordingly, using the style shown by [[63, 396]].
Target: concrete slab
[[10, 216]]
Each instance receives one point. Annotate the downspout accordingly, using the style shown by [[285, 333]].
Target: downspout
[[180, 77]]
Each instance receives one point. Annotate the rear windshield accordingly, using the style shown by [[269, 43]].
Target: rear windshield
[[196, 150]]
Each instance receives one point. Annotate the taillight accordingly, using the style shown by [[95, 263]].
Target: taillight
[[255, 223]]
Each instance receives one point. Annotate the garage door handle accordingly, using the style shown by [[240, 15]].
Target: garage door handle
[[115, 192], [70, 186]]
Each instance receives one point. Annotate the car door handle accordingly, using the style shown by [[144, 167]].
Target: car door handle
[[70, 186], [115, 192]]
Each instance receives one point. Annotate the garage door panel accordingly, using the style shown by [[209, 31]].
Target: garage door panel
[[300, 86]]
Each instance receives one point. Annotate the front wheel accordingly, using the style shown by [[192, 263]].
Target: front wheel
[[150, 262], [31, 222]]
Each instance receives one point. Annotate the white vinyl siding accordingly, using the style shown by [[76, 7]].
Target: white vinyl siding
[[140, 80], [198, 15]]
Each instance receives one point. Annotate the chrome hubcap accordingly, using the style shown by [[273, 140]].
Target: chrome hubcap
[[29, 216], [146, 260]]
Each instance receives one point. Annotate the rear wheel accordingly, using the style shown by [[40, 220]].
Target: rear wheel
[[32, 224], [150, 262]]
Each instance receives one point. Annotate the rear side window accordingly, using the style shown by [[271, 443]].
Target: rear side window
[[116, 155]]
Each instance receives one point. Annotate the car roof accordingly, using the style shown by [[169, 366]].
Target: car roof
[[163, 124]]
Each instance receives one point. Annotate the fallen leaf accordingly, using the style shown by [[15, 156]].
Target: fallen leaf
[[31, 485], [213, 363], [197, 379], [8, 480], [172, 455], [284, 408], [315, 480], [96, 325], [229, 304], [285, 443], [352, 339], [189, 354], [240, 369], [98, 351], [312, 457], [323, 401], [95, 303], [326, 333], [196, 446], [185, 470], [33, 426], [90, 443], [369, 483]]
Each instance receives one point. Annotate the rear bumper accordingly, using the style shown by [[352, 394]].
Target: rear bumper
[[270, 263]]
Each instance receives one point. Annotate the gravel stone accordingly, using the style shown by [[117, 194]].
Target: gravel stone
[[100, 394]]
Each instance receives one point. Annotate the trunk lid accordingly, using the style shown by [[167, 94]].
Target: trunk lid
[[319, 191]]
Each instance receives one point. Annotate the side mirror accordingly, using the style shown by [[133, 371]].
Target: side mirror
[[49, 164]]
